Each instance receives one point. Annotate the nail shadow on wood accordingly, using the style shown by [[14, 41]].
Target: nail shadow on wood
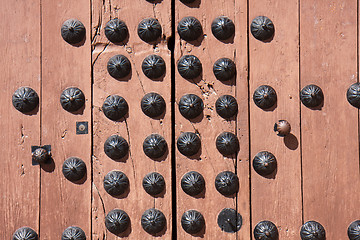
[[195, 4], [202, 194], [229, 82], [123, 43], [291, 142], [162, 194], [163, 157], [196, 156], [126, 78], [124, 195], [81, 181], [79, 111], [272, 175], [123, 119], [196, 80], [162, 232], [201, 233], [126, 233], [123, 159], [33, 112], [49, 166], [161, 116], [154, 2], [318, 108], [198, 118], [197, 42], [272, 108], [270, 39], [79, 44], [230, 40]]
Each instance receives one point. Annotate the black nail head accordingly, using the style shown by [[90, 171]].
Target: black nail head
[[189, 67], [265, 97], [229, 220], [154, 146], [153, 183], [312, 230], [188, 143], [25, 233], [227, 143], [223, 28], [149, 30], [117, 221], [153, 66], [192, 221], [116, 183], [73, 233], [264, 163], [262, 28], [226, 106], [224, 69], [311, 96], [119, 66], [153, 105], [227, 183], [266, 230], [72, 99], [74, 169], [187, 1], [190, 106], [354, 230], [192, 183], [116, 147], [73, 31], [25, 99], [116, 30], [115, 107], [40, 155], [353, 95], [153, 221], [189, 28]]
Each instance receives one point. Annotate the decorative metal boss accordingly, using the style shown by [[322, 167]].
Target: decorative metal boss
[[191, 106], [153, 183], [227, 143], [264, 163], [117, 221], [25, 99], [153, 66], [229, 220], [262, 28], [116, 31], [153, 105], [153, 221], [354, 230], [266, 230], [73, 31], [192, 221], [224, 69], [72, 99], [265, 97], [312, 230], [311, 96], [119, 66], [189, 67], [149, 30], [154, 146], [115, 107], [74, 169], [353, 95], [73, 233], [226, 106], [188, 143], [116, 183], [189, 28], [25, 233], [116, 147], [222, 28], [227, 183], [282, 128], [192, 183]]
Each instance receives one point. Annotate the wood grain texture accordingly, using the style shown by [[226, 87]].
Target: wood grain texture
[[276, 63], [330, 135], [136, 126], [64, 203], [20, 66]]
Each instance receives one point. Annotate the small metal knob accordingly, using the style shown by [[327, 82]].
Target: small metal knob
[[119, 66], [354, 230], [312, 230], [353, 95], [116, 31], [73, 233], [188, 143], [282, 128], [189, 28], [153, 183], [73, 31], [116, 147], [189, 67], [266, 230], [311, 96], [74, 169], [41, 155], [153, 66], [262, 28], [227, 183], [154, 146], [115, 107], [72, 99], [149, 30], [192, 183], [25, 233], [153, 221], [227, 143], [229, 220], [117, 221], [226, 106], [116, 183], [264, 163], [223, 28], [190, 106], [224, 69], [192, 221], [25, 99], [265, 97], [153, 105]]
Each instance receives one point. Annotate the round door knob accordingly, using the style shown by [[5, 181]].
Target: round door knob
[[354, 230], [312, 230], [73, 233], [153, 183], [190, 106], [266, 230], [25, 233], [311, 96], [116, 147], [25, 99], [192, 183], [227, 183], [192, 221], [73, 31], [264, 163], [153, 66], [154, 146], [222, 28], [262, 28], [117, 221], [74, 169], [282, 128], [115, 107], [353, 95], [224, 69], [40, 155], [189, 67], [229, 220], [227, 143], [265, 97], [226, 106], [116, 183], [149, 30], [72, 99], [119, 66], [153, 105], [189, 29], [153, 221], [116, 31], [188, 144]]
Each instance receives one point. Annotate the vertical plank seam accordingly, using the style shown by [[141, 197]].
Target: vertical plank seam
[[40, 114], [91, 124], [357, 69]]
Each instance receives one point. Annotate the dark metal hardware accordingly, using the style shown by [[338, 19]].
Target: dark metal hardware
[[73, 233], [154, 146], [312, 230], [262, 28], [25, 233], [153, 105], [222, 28], [116, 30], [82, 128], [227, 143], [72, 99], [282, 128], [153, 183], [311, 96], [116, 183], [115, 107], [153, 221], [189, 67], [187, 1], [117, 221], [191, 106], [192, 183], [40, 154], [224, 69], [354, 230], [264, 163], [74, 169], [116, 147], [73, 31], [153, 66], [189, 28], [227, 183], [226, 106], [265, 97], [266, 230], [188, 143], [149, 30], [119, 66], [25, 99], [353, 95], [192, 221], [229, 220]]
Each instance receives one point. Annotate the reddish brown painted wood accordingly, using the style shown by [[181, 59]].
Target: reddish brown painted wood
[[330, 135], [136, 126], [64, 203], [19, 66], [276, 63]]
